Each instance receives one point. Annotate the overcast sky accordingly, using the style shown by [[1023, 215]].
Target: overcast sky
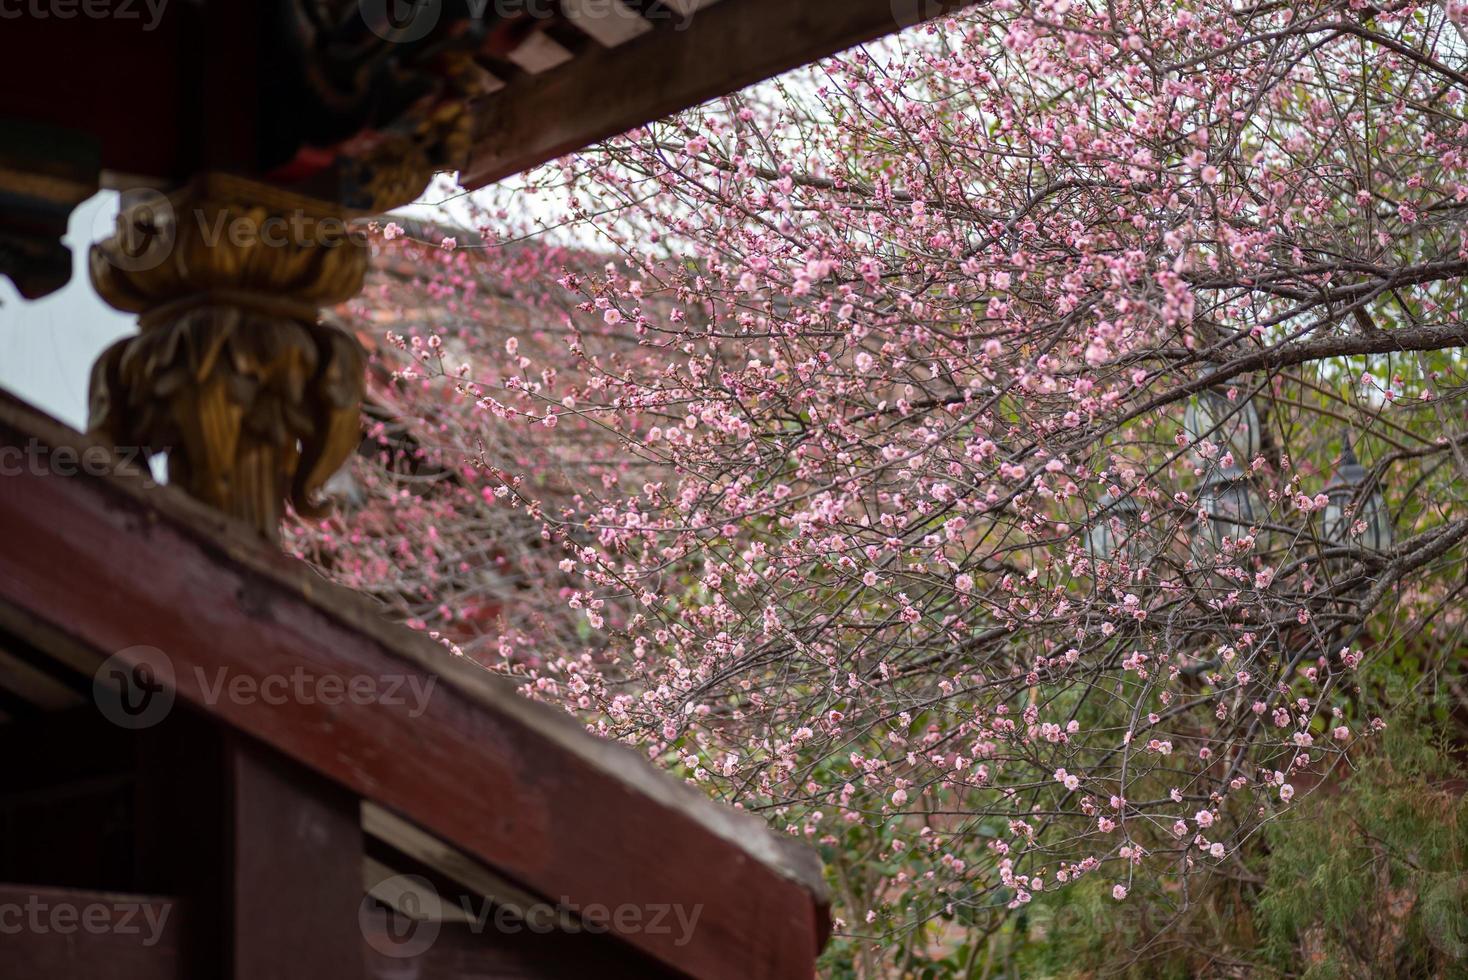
[[47, 347]]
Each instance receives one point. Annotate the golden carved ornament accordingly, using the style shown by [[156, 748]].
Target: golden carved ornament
[[233, 375], [439, 139]]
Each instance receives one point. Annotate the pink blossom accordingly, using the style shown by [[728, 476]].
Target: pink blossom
[[862, 456]]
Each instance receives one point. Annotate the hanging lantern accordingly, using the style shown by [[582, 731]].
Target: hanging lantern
[[1232, 425], [1346, 506], [1232, 507]]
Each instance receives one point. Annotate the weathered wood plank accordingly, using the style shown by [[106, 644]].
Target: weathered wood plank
[[409, 895], [445, 859], [447, 745], [719, 48], [34, 686]]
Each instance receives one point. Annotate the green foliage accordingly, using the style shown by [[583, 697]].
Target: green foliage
[[1370, 878], [1365, 878]]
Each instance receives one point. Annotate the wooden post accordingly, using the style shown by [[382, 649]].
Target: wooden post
[[295, 864], [265, 855]]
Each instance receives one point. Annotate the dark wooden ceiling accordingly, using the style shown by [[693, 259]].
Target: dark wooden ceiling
[[325, 97]]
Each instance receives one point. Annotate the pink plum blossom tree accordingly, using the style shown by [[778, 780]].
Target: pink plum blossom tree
[[941, 451]]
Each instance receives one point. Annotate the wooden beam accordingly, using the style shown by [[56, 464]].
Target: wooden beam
[[33, 686], [413, 896], [59, 934], [440, 741], [720, 48]]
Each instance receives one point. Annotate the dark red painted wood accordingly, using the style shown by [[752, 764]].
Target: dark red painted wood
[[54, 932], [295, 870], [515, 785], [136, 117]]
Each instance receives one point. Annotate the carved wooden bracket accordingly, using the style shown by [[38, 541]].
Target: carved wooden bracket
[[254, 400]]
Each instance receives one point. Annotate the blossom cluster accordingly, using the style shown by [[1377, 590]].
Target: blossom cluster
[[789, 470]]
